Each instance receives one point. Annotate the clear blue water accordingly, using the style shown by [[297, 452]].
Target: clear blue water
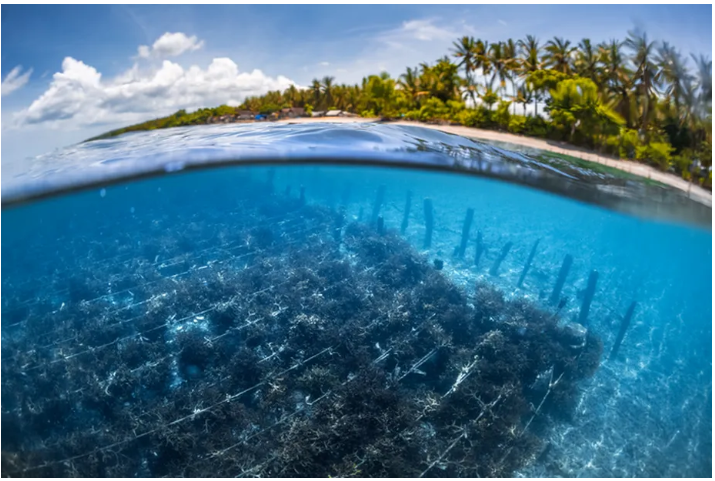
[[88, 274]]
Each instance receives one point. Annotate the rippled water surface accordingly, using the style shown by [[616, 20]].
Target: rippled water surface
[[149, 153], [338, 312]]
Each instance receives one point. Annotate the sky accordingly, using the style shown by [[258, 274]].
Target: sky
[[72, 72]]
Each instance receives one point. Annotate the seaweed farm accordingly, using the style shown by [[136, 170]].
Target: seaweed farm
[[314, 320]]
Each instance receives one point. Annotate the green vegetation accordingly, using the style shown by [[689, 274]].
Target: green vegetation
[[632, 99]]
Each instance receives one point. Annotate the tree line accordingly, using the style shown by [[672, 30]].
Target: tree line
[[634, 98]]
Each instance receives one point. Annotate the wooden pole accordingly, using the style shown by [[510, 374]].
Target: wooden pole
[[588, 297], [380, 225], [505, 250], [565, 267], [429, 223], [406, 216], [378, 204], [527, 266], [622, 332], [466, 227]]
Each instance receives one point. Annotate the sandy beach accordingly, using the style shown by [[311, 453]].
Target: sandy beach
[[694, 191]]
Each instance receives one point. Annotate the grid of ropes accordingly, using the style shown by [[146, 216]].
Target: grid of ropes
[[297, 237]]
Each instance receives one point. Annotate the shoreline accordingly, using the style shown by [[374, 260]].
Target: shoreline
[[695, 192]]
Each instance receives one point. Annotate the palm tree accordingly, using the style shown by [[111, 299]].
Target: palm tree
[[617, 78], [327, 87], [379, 94], [690, 102], [531, 62], [647, 74], [464, 50], [409, 82], [558, 55], [524, 95], [471, 91], [353, 97], [674, 74], [317, 90], [586, 62], [442, 80], [576, 102], [292, 95], [500, 64], [530, 55], [513, 66], [340, 97], [698, 102], [481, 57], [705, 82], [449, 80], [489, 96]]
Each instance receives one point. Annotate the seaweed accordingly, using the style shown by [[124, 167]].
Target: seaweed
[[288, 344]]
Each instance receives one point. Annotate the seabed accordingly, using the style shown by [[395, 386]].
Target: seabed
[[281, 337]]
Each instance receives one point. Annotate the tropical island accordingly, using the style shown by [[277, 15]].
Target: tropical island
[[633, 99]]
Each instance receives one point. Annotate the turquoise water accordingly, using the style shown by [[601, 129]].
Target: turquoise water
[[276, 320]]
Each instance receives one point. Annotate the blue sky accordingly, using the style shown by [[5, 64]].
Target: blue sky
[[70, 72]]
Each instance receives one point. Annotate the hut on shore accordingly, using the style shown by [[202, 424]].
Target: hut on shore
[[292, 112]]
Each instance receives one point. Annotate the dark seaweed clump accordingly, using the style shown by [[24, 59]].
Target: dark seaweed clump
[[293, 346]]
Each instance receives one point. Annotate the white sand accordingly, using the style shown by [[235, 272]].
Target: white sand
[[694, 191]]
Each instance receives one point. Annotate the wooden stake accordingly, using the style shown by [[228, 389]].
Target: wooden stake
[[429, 223], [587, 298], [622, 332], [495, 268], [527, 266], [565, 267], [378, 204], [406, 216], [466, 226]]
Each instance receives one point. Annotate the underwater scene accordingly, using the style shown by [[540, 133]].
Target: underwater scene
[[362, 301]]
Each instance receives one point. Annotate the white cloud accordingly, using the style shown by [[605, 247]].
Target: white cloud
[[324, 64], [15, 80], [144, 51], [170, 45], [426, 30], [79, 97], [419, 34], [502, 22]]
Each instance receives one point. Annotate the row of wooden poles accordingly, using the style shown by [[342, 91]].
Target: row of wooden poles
[[460, 251]]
